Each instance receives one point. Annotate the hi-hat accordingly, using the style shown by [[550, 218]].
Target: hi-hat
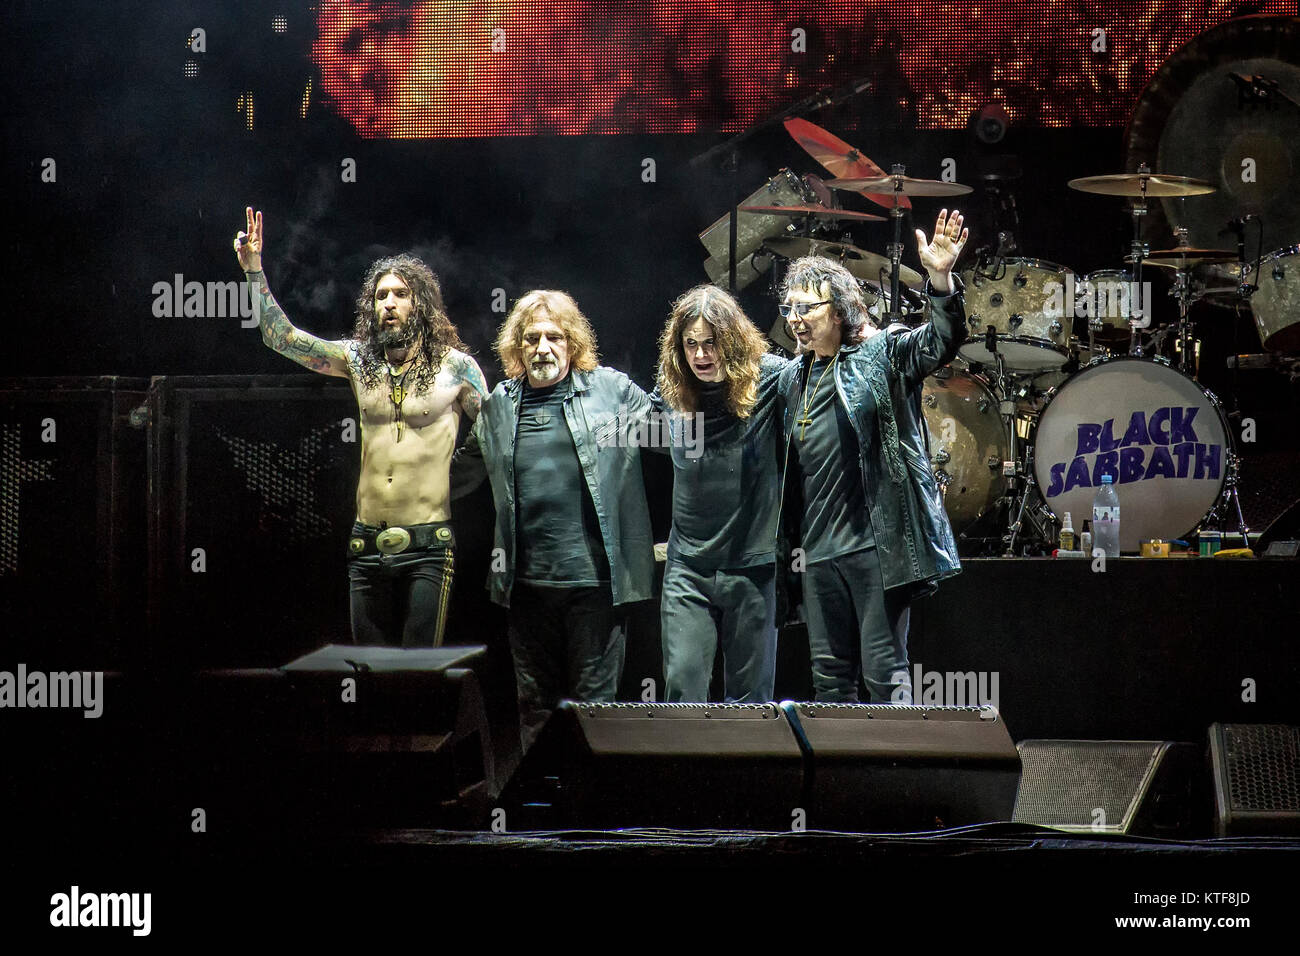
[[821, 212], [900, 185], [860, 263], [1142, 184], [1185, 257], [839, 158]]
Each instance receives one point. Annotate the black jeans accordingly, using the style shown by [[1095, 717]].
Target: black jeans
[[566, 642], [856, 629], [702, 609], [400, 599]]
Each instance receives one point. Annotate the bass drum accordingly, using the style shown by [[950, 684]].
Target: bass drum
[[1161, 435], [968, 444]]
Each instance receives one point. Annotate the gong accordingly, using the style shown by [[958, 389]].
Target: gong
[[1195, 119]]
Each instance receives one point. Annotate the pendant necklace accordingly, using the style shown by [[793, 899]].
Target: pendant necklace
[[397, 394], [804, 422]]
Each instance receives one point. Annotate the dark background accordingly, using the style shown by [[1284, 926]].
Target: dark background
[[154, 169]]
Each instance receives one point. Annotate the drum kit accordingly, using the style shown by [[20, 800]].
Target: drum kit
[[1059, 379]]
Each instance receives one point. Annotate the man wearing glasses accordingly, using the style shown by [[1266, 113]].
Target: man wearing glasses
[[860, 497]]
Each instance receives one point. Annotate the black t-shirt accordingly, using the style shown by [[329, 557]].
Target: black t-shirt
[[725, 499], [835, 518], [559, 542]]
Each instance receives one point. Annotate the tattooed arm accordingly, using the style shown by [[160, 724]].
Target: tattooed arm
[[473, 389], [317, 354]]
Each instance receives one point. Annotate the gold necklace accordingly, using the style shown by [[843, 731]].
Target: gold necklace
[[397, 393], [804, 422]]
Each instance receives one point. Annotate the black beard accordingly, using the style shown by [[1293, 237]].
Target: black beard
[[403, 336]]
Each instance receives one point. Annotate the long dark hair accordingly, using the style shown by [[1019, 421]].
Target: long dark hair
[[740, 348], [435, 332]]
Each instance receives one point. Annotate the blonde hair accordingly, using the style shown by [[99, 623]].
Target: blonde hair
[[739, 345], [560, 308]]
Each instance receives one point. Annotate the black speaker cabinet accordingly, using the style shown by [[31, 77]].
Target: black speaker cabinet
[[72, 509], [347, 737], [1140, 787], [669, 765], [252, 497], [891, 767], [1256, 779]]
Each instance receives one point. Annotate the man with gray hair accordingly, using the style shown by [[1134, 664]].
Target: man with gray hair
[[573, 539], [860, 496]]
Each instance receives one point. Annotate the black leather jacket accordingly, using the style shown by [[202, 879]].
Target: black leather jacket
[[913, 538], [601, 413]]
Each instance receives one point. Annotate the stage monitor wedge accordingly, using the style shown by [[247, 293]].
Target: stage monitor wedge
[[1135, 787], [877, 768], [688, 766], [790, 766], [347, 738]]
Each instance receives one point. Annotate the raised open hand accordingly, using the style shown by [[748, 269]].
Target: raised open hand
[[940, 254], [248, 244]]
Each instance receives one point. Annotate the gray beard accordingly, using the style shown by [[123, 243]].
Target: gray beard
[[550, 372]]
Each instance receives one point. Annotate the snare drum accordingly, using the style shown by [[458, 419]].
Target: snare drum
[[1276, 303], [1162, 436], [968, 443], [1025, 304]]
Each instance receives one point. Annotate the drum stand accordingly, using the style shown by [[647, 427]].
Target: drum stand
[[1020, 475], [1138, 252], [1230, 492], [895, 313], [1181, 291]]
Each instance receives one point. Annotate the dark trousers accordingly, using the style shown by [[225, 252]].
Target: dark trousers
[[701, 609], [401, 599], [566, 642], [856, 628]]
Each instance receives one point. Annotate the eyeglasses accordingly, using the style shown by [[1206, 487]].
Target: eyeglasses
[[800, 308]]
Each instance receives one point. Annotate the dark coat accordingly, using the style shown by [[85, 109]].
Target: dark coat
[[914, 541], [602, 415]]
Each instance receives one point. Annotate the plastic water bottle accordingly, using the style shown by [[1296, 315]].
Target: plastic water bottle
[[1105, 517]]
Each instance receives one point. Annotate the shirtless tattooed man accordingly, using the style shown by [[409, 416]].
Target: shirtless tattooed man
[[413, 380]]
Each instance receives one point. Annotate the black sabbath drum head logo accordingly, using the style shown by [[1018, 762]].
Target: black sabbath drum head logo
[[1159, 444], [1159, 435]]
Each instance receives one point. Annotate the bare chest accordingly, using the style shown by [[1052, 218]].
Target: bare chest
[[395, 398]]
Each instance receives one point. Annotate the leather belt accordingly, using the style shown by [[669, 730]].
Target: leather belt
[[395, 539]]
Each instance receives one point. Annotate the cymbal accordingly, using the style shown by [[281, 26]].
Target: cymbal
[[909, 186], [821, 212], [838, 157], [1185, 257], [860, 263], [1131, 184]]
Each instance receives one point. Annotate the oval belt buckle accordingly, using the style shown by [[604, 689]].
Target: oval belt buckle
[[393, 540]]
